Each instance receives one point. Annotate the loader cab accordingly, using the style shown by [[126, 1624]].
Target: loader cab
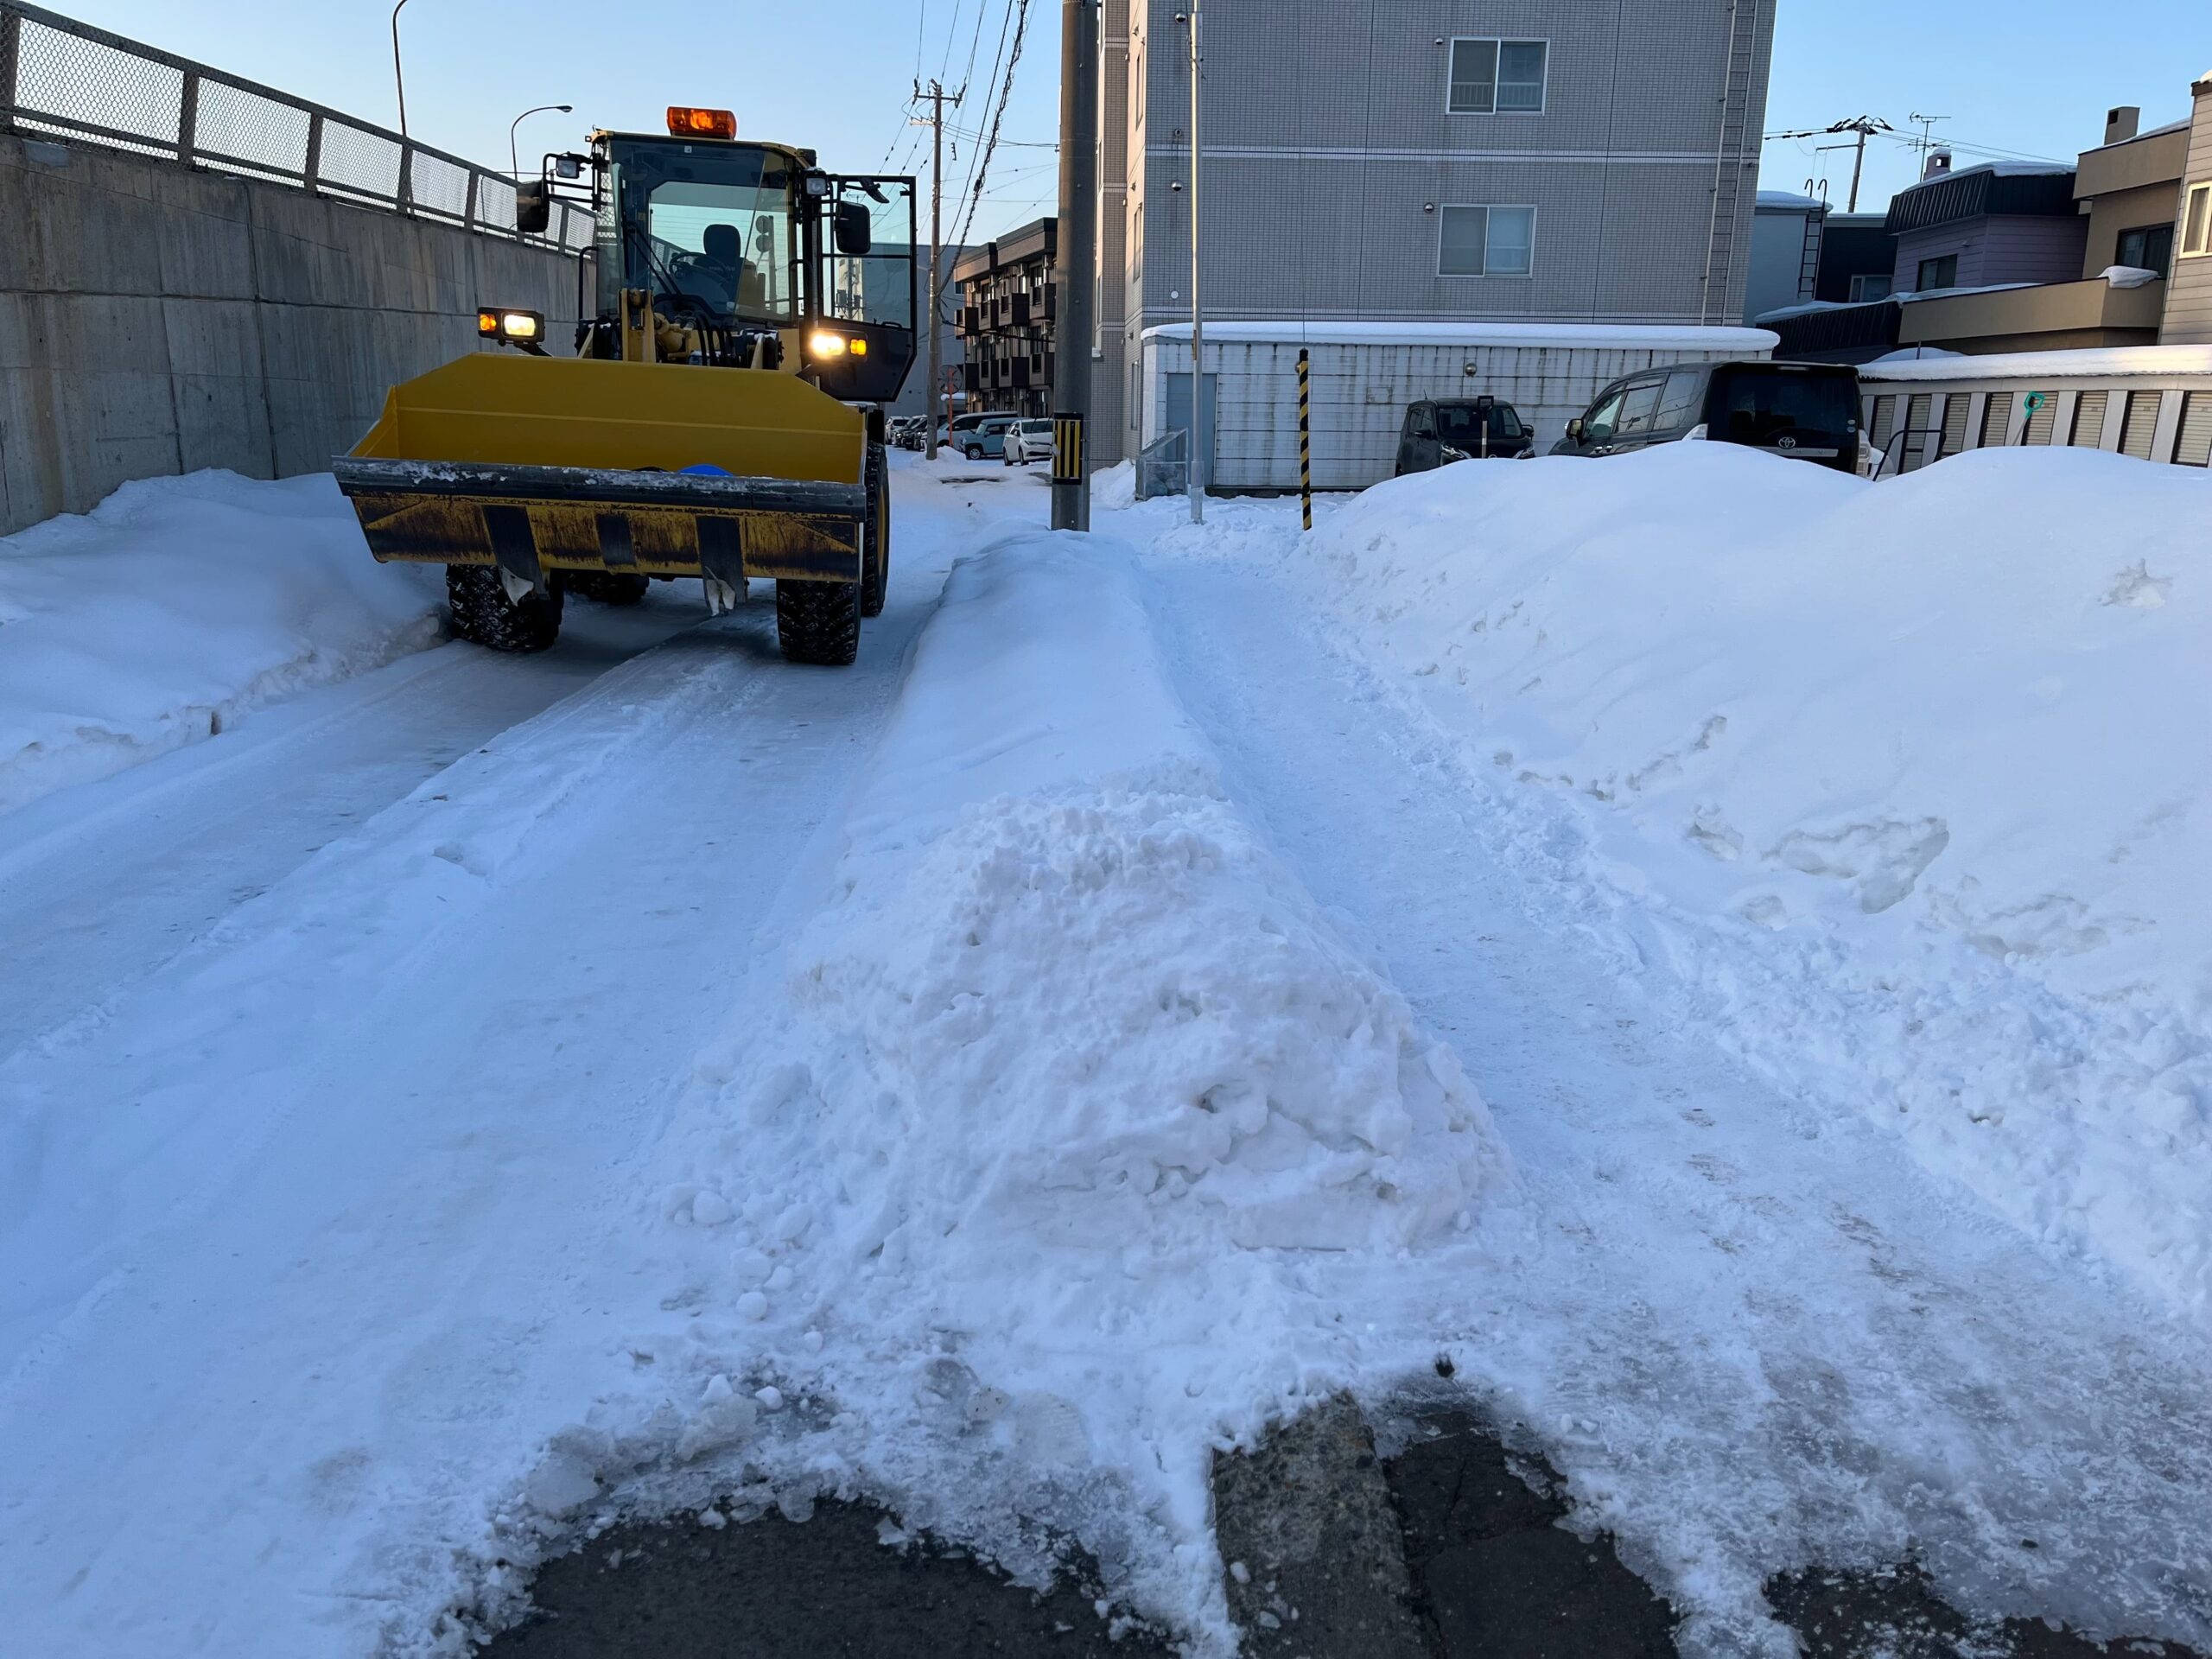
[[765, 260]]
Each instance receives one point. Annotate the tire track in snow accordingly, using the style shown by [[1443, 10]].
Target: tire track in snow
[[1752, 1335]]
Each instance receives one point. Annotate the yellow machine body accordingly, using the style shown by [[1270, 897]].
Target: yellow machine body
[[539, 464]]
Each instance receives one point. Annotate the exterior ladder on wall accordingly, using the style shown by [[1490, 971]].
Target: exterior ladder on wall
[[1809, 268], [1728, 158]]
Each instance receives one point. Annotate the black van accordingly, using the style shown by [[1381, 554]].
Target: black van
[[1437, 430], [1804, 411]]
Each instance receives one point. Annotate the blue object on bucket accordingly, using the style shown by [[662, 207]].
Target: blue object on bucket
[[708, 469]]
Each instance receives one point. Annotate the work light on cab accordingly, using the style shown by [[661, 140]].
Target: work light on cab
[[523, 328], [823, 343], [684, 122]]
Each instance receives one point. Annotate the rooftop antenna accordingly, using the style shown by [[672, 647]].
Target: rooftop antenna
[[1926, 141]]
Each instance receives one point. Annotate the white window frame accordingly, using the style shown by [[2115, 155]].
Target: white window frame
[[1500, 42], [2201, 190], [1486, 274]]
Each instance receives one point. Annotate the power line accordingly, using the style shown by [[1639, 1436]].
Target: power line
[[1020, 9], [998, 63]]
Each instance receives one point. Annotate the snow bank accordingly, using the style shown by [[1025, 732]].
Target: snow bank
[[1064, 1082], [1912, 777], [176, 604]]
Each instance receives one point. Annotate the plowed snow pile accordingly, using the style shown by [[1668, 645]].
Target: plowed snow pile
[[1049, 1104], [1912, 778], [176, 604]]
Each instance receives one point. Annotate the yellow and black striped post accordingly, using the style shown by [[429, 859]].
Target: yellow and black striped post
[[1304, 441], [1071, 485]]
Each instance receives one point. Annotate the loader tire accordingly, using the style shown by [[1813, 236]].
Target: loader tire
[[875, 564], [818, 622], [483, 615], [608, 587]]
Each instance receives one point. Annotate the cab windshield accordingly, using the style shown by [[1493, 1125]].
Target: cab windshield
[[709, 224]]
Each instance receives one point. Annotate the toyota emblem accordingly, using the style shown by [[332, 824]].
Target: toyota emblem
[[1785, 443]]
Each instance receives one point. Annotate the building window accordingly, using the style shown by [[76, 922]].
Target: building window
[[2148, 247], [1938, 273], [1497, 76], [1486, 241], [2196, 221], [1864, 288]]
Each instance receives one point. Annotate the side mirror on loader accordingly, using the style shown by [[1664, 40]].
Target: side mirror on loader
[[533, 207], [854, 234]]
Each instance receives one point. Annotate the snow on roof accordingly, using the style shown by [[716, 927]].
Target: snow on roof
[[1592, 336], [1999, 169], [2100, 361], [2181, 125], [1906, 295], [1789, 199], [1810, 307]]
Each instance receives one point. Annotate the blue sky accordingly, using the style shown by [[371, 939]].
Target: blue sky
[[2029, 77]]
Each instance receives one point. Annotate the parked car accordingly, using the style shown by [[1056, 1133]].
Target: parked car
[[950, 437], [1802, 411], [907, 430], [987, 438], [1029, 440], [1438, 431]]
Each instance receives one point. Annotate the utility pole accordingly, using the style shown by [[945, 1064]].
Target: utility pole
[[938, 99], [1864, 126], [1078, 263], [1199, 423]]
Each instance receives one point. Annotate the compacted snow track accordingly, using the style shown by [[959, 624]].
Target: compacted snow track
[[1753, 1333], [101, 883]]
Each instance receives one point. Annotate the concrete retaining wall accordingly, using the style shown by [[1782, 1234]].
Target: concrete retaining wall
[[158, 318]]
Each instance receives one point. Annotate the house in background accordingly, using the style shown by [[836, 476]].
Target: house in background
[[2019, 258], [2000, 222], [2189, 290]]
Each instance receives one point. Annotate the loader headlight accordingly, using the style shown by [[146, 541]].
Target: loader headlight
[[823, 343], [520, 327]]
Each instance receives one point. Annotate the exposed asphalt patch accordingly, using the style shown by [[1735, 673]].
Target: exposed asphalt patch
[[1448, 1545], [774, 1589], [1893, 1613], [1494, 1574]]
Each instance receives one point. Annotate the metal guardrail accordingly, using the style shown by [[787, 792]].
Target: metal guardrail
[[1164, 465], [61, 79]]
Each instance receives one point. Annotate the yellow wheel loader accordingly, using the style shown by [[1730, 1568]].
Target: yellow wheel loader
[[722, 417]]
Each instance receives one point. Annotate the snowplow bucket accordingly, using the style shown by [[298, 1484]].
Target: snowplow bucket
[[541, 464]]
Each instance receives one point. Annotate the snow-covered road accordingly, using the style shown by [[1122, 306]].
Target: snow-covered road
[[1751, 1332], [432, 1108]]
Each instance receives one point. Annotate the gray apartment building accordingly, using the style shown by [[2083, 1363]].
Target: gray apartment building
[[1401, 160]]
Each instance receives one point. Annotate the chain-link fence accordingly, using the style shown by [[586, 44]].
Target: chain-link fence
[[61, 79], [1164, 465]]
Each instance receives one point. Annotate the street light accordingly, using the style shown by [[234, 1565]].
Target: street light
[[399, 80], [514, 163]]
